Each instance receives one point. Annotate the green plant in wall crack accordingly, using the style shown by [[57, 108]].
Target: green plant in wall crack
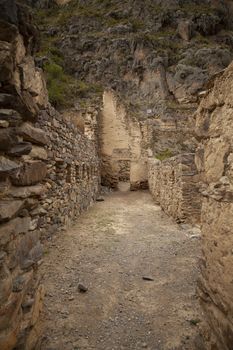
[[167, 153]]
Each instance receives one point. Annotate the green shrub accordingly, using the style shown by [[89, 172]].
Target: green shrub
[[63, 89], [167, 153], [57, 83]]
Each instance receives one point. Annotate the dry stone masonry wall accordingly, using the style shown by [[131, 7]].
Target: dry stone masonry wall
[[73, 171], [48, 174], [122, 145], [214, 159], [174, 185]]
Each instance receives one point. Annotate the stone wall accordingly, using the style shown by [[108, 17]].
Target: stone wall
[[174, 185], [48, 174], [73, 176], [214, 159], [121, 145]]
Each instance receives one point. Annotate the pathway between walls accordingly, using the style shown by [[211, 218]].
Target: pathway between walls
[[111, 248]]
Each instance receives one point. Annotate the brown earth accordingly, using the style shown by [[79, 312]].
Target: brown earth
[[111, 248]]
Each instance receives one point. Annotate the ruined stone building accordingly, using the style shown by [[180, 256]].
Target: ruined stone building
[[96, 93]]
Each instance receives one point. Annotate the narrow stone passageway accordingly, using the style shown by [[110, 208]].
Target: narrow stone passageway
[[112, 248]]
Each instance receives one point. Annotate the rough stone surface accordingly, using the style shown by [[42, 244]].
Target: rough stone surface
[[7, 139], [122, 145], [33, 81], [20, 149], [32, 134], [8, 167], [41, 189], [10, 116], [30, 174], [215, 164], [174, 185], [73, 174], [9, 209]]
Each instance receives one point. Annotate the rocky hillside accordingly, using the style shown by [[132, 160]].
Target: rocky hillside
[[156, 55]]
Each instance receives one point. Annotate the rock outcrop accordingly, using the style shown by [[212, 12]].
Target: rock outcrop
[[155, 57], [214, 160]]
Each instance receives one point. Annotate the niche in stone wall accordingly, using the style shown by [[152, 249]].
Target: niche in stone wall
[[124, 170], [68, 173], [83, 171], [77, 173]]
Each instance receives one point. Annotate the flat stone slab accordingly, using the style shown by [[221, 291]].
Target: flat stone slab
[[22, 148], [27, 191], [34, 135], [9, 209]]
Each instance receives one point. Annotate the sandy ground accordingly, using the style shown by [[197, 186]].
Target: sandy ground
[[112, 247]]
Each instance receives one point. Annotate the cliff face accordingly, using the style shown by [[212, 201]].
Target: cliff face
[[146, 52], [155, 57]]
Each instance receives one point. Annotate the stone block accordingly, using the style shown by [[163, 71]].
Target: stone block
[[8, 31], [6, 62], [13, 228], [33, 81], [28, 191], [22, 103], [9, 208], [215, 154], [8, 167], [30, 174], [21, 148], [4, 188], [21, 282], [9, 312], [29, 249], [4, 124], [8, 10], [20, 50], [38, 153], [5, 283], [8, 139], [32, 134], [11, 116], [38, 305], [8, 338], [185, 30]]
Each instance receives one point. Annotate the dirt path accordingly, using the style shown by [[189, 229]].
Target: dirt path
[[110, 249]]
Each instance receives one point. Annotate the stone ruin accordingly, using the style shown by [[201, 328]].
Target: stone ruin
[[50, 172]]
